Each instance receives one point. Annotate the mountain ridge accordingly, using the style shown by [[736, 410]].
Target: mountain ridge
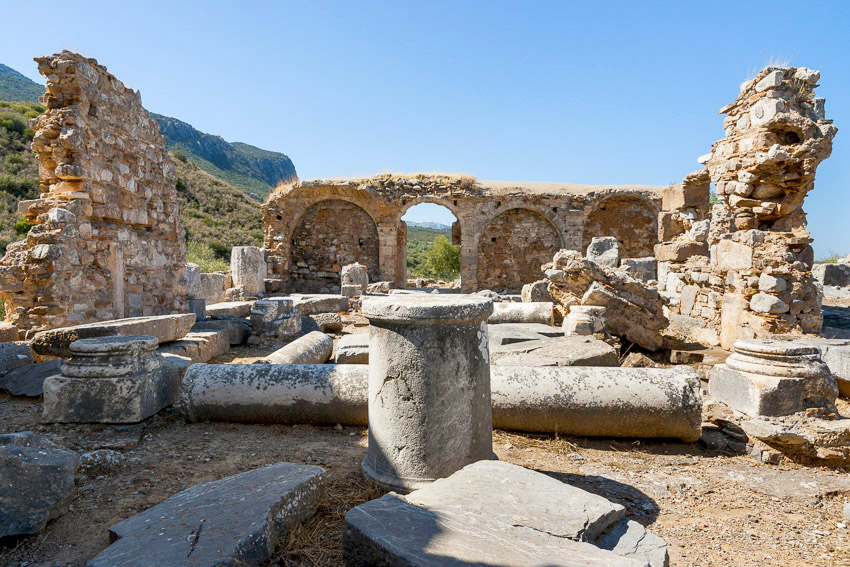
[[253, 170]]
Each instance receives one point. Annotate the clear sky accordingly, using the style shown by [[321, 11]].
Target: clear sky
[[591, 92]]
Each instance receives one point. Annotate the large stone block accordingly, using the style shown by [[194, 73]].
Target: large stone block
[[536, 292], [37, 482], [274, 317], [238, 520], [29, 380], [213, 286], [628, 319], [164, 328], [836, 275], [229, 309], [238, 329], [510, 312], [773, 378], [455, 521], [353, 349], [604, 250], [248, 269], [320, 303], [730, 255], [679, 250], [110, 380], [643, 269], [563, 351], [14, 355]]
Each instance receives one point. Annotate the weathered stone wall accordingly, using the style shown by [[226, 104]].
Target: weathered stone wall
[[330, 235], [500, 264], [554, 214], [108, 242], [756, 281], [632, 221]]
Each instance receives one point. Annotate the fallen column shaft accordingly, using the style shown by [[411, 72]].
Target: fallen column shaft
[[572, 400], [313, 348], [598, 402], [276, 393]]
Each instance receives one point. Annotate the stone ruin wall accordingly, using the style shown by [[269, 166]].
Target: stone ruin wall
[[108, 242], [505, 231], [744, 269]]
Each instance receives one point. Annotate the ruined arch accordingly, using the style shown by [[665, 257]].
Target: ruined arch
[[513, 246], [330, 234], [632, 220]]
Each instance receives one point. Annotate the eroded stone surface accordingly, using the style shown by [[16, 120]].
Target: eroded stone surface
[[563, 351], [353, 349], [37, 482], [313, 348], [190, 528]]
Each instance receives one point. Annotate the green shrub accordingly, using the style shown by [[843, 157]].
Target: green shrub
[[205, 257], [23, 226], [179, 155], [443, 260]]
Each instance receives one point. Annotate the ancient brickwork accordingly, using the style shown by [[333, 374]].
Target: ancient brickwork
[[330, 235], [632, 221], [108, 242], [523, 230], [756, 281], [555, 215]]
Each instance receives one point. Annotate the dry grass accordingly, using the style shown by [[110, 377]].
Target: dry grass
[[465, 180], [318, 541]]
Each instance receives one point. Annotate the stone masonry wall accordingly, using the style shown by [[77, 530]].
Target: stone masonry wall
[[756, 281], [554, 212], [108, 242], [500, 264], [330, 235]]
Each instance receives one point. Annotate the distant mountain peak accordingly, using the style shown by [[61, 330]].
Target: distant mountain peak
[[428, 224], [17, 87]]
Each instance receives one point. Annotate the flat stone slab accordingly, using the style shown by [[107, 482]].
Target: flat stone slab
[[238, 329], [562, 351], [237, 520], [320, 303], [37, 482], [509, 312], [165, 328], [509, 333], [28, 380], [13, 356], [199, 346], [324, 322], [488, 513], [229, 309], [353, 349]]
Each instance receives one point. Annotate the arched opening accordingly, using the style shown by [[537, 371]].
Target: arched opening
[[329, 235], [429, 236], [631, 220], [513, 247]]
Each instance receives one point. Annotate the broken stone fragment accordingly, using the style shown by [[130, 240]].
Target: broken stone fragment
[[538, 519], [562, 351], [510, 312], [353, 349], [190, 528], [14, 355], [37, 485], [605, 251], [766, 303], [248, 269]]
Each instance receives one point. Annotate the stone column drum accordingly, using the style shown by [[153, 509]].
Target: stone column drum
[[429, 388]]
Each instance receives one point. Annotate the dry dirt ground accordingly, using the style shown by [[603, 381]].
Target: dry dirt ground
[[714, 505]]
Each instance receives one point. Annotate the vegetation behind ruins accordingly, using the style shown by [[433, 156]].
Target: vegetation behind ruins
[[16, 87], [424, 259], [18, 167]]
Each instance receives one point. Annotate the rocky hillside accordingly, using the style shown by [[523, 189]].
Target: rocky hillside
[[251, 169], [15, 87], [217, 215]]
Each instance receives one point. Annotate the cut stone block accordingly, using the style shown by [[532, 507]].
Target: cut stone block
[[238, 330], [193, 281], [643, 269], [248, 269], [604, 250], [110, 380], [540, 312], [229, 309], [14, 355], [199, 346], [165, 328], [625, 318], [836, 275], [238, 520], [584, 320], [320, 303], [509, 333], [8, 332], [199, 308], [29, 380], [37, 482], [213, 286], [773, 378], [835, 353], [313, 348], [563, 351], [324, 322], [355, 275], [536, 292], [353, 349], [630, 539], [536, 520], [275, 317]]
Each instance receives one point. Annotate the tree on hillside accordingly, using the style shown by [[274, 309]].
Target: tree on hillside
[[443, 260]]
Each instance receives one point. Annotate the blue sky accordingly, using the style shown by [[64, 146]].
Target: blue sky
[[621, 92]]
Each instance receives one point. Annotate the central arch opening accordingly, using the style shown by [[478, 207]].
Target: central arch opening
[[431, 244]]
